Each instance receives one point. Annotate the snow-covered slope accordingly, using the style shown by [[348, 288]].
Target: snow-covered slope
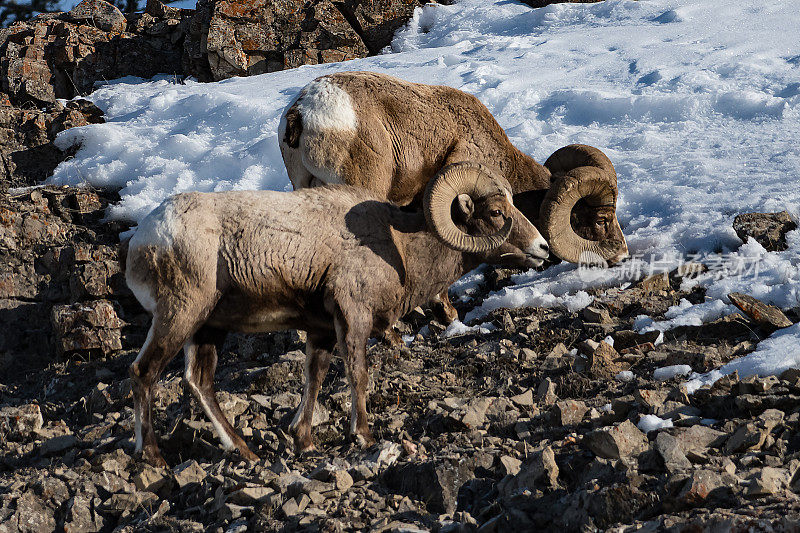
[[696, 103]]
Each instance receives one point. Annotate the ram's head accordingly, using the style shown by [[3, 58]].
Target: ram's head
[[577, 214], [469, 208]]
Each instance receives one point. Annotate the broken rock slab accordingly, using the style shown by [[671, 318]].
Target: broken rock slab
[[697, 488], [539, 470], [188, 473], [669, 449], [436, 482], [20, 422], [86, 326], [568, 412], [615, 442], [766, 316], [768, 229], [100, 14]]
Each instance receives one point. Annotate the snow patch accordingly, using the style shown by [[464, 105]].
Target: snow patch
[[669, 372], [625, 376], [648, 423]]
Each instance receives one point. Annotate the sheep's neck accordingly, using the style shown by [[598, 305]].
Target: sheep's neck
[[430, 266], [525, 174]]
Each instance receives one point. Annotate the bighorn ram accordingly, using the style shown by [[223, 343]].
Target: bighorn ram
[[203, 264], [391, 137]]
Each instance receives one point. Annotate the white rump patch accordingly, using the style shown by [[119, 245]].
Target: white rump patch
[[326, 106], [142, 293], [158, 228]]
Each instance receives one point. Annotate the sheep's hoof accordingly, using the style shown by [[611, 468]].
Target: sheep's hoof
[[444, 313], [363, 441], [248, 454], [152, 456], [303, 444], [392, 338]]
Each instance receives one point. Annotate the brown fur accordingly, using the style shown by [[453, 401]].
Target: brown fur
[[240, 261], [406, 132]]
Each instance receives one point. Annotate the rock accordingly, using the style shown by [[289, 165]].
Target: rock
[[792, 376], [766, 316], [290, 508], [474, 415], [625, 339], [386, 455], [241, 38], [538, 470], [82, 515], [524, 399], [150, 478], [698, 487], [671, 452], [655, 283], [558, 358], [746, 437], [568, 412], [87, 326], [768, 229], [20, 422], [128, 502], [603, 362], [766, 482], [698, 438], [254, 495], [99, 399], [99, 14], [187, 473], [63, 56], [509, 466], [546, 392], [361, 472], [337, 476], [596, 315], [651, 400], [622, 440], [58, 444], [435, 482], [32, 516], [342, 480]]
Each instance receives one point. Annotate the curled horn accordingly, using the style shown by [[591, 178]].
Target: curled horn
[[580, 172], [468, 178]]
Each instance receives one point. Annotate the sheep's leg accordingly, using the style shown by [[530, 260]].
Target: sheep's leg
[[201, 363], [443, 310], [161, 346], [352, 336], [319, 351]]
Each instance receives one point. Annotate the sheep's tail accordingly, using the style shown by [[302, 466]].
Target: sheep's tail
[[294, 127], [122, 252]]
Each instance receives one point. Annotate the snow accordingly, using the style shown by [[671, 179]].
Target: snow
[[648, 423], [625, 375], [772, 356], [669, 372], [459, 328], [697, 110]]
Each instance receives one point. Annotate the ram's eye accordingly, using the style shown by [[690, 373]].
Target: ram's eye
[[495, 212]]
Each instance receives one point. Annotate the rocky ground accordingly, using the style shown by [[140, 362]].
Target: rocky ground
[[532, 426], [527, 427]]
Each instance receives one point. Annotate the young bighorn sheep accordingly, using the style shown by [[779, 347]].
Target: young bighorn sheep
[[392, 136], [203, 264]]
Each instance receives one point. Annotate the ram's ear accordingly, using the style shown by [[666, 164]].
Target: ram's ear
[[464, 207]]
